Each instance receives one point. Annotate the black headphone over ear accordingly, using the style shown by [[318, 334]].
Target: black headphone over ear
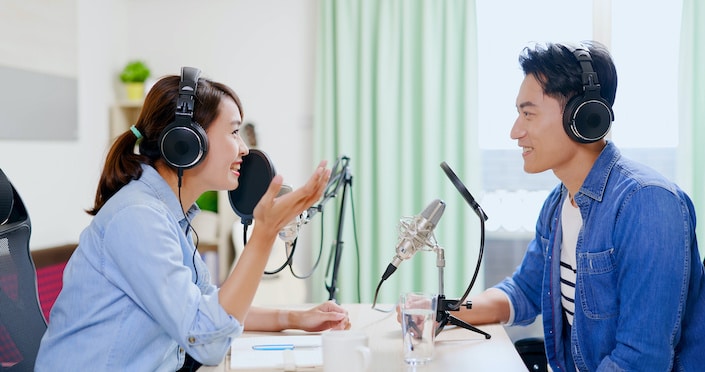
[[184, 143], [587, 117]]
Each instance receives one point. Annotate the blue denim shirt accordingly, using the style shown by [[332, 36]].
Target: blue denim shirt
[[640, 290], [132, 299]]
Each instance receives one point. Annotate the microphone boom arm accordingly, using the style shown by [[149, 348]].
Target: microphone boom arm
[[334, 181], [343, 179]]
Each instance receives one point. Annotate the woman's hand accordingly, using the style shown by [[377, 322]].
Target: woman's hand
[[272, 213], [327, 315]]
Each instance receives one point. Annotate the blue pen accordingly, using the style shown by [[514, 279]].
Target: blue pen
[[268, 347]]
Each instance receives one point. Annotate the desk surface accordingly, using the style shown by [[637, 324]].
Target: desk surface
[[456, 348]]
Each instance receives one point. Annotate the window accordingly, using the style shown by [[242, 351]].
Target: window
[[646, 111], [645, 46]]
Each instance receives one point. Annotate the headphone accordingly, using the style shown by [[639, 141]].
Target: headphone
[[184, 143], [587, 117]]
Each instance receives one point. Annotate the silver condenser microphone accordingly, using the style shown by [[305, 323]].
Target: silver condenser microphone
[[416, 234]]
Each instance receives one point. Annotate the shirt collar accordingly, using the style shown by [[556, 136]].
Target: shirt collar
[[163, 191], [596, 181]]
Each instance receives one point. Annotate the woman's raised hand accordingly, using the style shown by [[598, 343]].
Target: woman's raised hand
[[272, 213]]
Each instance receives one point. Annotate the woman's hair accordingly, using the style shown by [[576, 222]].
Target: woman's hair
[[557, 70], [159, 110]]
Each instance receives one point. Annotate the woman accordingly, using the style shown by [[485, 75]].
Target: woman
[[136, 296]]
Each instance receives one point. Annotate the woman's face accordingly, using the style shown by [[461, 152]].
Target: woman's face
[[220, 169]]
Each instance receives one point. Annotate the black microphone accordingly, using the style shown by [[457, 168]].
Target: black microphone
[[415, 234]]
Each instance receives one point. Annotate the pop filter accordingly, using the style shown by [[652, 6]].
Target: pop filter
[[256, 173], [463, 190]]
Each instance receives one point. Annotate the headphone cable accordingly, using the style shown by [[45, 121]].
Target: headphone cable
[[180, 173]]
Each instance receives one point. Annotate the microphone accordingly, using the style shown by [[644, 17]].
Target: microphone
[[290, 232], [415, 234]]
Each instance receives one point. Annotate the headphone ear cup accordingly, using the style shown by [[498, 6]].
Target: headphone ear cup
[[183, 146], [587, 120]]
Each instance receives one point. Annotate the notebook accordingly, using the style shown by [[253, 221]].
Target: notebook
[[285, 353]]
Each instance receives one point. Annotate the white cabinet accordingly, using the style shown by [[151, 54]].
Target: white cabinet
[[276, 289]]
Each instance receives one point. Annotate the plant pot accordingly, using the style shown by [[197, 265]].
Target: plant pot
[[135, 91]]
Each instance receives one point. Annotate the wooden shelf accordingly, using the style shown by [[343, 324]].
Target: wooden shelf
[[122, 115], [203, 248]]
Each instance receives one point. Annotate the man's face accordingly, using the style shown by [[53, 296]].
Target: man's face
[[539, 130]]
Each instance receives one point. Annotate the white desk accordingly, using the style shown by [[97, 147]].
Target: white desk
[[457, 349]]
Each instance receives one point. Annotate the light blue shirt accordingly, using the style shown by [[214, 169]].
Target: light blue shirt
[[640, 284], [132, 299]]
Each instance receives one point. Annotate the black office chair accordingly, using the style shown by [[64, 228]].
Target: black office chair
[[22, 323], [532, 352]]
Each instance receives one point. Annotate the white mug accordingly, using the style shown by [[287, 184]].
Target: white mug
[[345, 351]]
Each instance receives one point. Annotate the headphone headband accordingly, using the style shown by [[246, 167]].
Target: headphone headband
[[183, 143], [187, 90]]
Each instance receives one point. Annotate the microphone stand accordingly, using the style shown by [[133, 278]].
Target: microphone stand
[[443, 305], [346, 182]]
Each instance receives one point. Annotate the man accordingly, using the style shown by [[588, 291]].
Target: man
[[614, 267]]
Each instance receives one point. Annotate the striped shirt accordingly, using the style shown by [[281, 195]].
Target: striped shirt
[[571, 222]]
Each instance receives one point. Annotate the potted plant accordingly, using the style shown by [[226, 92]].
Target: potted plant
[[133, 76]]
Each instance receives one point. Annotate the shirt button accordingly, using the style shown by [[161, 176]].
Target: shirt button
[[191, 340], [181, 350]]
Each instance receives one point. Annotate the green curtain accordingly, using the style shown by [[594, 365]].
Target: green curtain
[[396, 92], [692, 105]]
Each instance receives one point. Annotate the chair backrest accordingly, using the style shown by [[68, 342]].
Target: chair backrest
[[22, 323], [50, 264]]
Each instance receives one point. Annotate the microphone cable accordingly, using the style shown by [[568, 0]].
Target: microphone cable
[[289, 256], [374, 301], [315, 264], [287, 262]]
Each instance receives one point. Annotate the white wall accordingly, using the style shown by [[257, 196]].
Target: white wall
[[57, 180], [263, 49]]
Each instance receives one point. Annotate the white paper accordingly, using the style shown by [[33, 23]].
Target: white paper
[[308, 354]]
